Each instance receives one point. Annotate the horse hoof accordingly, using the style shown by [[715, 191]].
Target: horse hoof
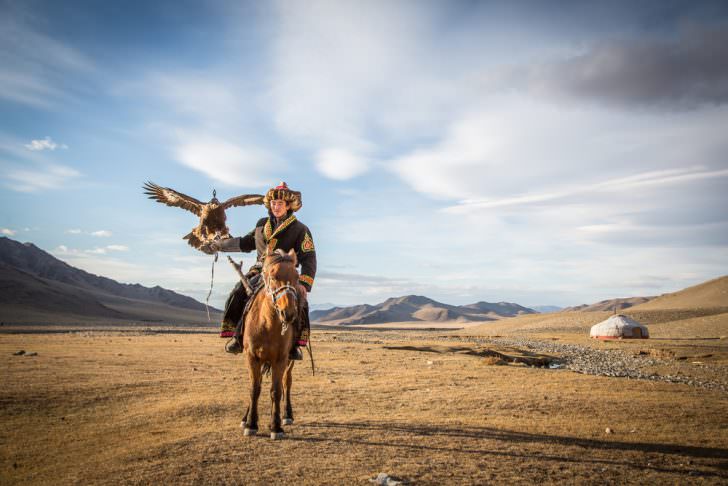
[[287, 421], [277, 435], [249, 432]]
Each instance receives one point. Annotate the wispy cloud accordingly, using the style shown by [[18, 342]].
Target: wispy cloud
[[648, 179], [36, 66], [74, 231], [44, 144], [8, 231], [101, 233], [99, 250], [340, 164], [51, 176], [229, 163]]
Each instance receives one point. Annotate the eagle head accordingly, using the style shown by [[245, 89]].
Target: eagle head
[[214, 200]]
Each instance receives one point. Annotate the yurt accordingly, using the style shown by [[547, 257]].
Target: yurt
[[619, 327]]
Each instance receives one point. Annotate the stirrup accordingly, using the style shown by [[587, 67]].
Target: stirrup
[[234, 346]]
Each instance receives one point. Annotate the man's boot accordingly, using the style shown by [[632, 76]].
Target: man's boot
[[295, 354], [235, 345], [301, 334], [234, 307]]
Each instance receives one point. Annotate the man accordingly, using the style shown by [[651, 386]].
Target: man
[[280, 230]]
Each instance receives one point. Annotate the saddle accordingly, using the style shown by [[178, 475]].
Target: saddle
[[302, 323], [256, 281]]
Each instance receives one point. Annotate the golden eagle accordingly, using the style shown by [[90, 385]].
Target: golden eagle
[[212, 214]]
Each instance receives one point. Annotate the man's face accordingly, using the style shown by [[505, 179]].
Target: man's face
[[279, 207]]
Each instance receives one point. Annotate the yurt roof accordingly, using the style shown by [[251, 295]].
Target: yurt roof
[[616, 326]]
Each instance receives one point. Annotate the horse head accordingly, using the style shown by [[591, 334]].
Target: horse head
[[281, 281]]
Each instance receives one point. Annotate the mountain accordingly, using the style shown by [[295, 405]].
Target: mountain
[[712, 294], [609, 305], [412, 308], [323, 306], [504, 309], [37, 287], [545, 309]]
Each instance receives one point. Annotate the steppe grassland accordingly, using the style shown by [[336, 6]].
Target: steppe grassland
[[146, 408]]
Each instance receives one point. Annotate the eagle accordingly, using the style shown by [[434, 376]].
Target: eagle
[[212, 214]]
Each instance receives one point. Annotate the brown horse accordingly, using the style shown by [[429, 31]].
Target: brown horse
[[268, 338]]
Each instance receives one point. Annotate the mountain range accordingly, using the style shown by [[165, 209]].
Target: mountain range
[[413, 308], [609, 305], [36, 287]]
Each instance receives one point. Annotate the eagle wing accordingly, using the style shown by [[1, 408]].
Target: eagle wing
[[244, 200], [170, 197]]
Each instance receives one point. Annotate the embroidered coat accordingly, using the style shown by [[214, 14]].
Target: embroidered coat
[[290, 233]]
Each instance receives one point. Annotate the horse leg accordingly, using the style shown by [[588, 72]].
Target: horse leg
[[251, 416], [276, 388], [287, 382]]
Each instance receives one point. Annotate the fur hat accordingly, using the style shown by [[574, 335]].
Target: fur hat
[[281, 191]]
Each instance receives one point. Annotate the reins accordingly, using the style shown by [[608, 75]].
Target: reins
[[278, 292], [212, 280]]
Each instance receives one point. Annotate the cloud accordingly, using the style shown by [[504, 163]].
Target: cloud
[[44, 144], [340, 164], [36, 67], [101, 233], [683, 72], [50, 176], [117, 248], [334, 67], [8, 232], [630, 183], [228, 163], [73, 231]]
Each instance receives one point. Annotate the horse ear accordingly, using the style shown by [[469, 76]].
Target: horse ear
[[292, 254]]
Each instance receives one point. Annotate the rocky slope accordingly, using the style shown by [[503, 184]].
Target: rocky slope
[[417, 308], [37, 287]]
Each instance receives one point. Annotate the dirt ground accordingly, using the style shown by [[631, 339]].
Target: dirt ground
[[138, 408]]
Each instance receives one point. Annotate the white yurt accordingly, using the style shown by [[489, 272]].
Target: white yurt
[[619, 327]]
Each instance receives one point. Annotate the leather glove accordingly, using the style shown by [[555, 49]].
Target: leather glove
[[228, 244]]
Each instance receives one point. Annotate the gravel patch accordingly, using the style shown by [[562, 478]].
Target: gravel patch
[[573, 357], [610, 362]]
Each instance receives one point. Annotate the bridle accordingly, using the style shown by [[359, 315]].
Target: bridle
[[276, 294]]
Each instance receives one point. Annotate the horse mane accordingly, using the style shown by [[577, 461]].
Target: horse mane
[[279, 256]]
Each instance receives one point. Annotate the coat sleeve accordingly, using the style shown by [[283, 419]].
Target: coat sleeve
[[306, 253], [247, 242]]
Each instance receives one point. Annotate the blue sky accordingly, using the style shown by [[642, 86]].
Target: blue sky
[[532, 152]]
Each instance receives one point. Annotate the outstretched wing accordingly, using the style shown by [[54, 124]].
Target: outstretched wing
[[244, 200], [170, 197]]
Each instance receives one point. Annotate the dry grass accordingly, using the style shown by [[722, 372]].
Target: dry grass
[[137, 409]]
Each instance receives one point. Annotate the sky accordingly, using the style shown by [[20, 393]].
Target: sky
[[544, 153]]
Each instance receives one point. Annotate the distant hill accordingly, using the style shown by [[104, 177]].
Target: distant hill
[[710, 294], [609, 305], [700, 311], [412, 308], [545, 309], [37, 287], [323, 306]]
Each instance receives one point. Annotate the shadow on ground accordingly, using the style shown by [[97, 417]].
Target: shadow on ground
[[593, 451]]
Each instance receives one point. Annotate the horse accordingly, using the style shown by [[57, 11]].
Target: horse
[[268, 338]]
